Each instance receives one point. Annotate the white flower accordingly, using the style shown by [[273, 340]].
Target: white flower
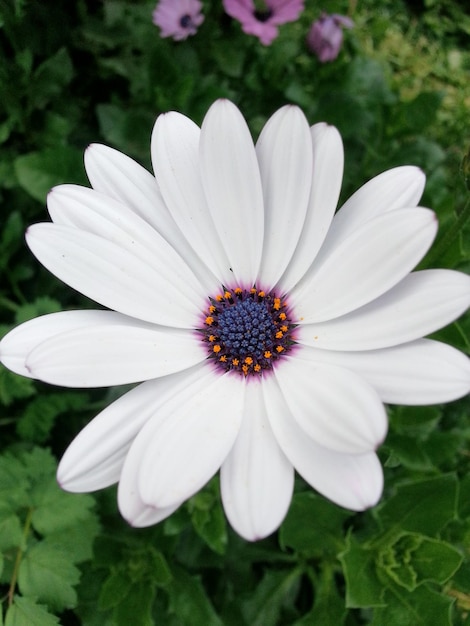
[[227, 239]]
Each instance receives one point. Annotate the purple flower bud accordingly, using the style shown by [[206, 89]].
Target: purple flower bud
[[326, 36]]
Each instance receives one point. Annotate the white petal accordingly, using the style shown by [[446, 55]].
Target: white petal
[[124, 351], [189, 439], [365, 265], [156, 287], [175, 158], [418, 373], [256, 479], [420, 304], [95, 457], [328, 162], [232, 184], [132, 507], [121, 178], [334, 406], [284, 151], [18, 343], [352, 481], [398, 188]]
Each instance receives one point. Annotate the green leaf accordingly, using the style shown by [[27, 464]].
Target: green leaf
[[47, 574], [413, 559], [363, 586], [424, 507], [208, 519], [136, 606], [264, 606], [422, 607], [313, 525], [51, 77], [14, 387], [25, 612], [39, 417], [11, 530], [38, 172], [57, 510], [188, 601]]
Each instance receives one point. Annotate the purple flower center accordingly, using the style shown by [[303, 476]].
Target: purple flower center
[[186, 21], [247, 330], [263, 16]]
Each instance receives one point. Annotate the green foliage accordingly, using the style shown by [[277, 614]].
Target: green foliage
[[82, 72]]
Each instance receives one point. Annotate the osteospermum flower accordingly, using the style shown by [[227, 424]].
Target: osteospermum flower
[[263, 23], [325, 36], [178, 18], [269, 331]]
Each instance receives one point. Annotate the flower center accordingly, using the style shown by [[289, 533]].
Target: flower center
[[263, 16], [186, 21], [247, 330]]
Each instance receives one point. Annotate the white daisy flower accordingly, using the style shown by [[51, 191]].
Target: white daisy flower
[[268, 330]]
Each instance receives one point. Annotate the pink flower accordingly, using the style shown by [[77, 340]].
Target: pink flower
[[263, 24], [178, 18], [326, 36]]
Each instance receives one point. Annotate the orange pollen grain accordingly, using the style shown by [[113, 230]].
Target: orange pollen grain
[[245, 369], [248, 360], [217, 348], [282, 316], [279, 335], [211, 338], [238, 290], [257, 367], [212, 308], [209, 320], [267, 354], [277, 304], [252, 290], [279, 349], [284, 329], [227, 295], [219, 297], [261, 294], [223, 359], [235, 362]]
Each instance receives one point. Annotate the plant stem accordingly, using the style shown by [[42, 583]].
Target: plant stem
[[19, 556]]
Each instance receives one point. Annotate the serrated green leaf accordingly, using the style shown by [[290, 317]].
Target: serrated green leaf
[[56, 510], [14, 387], [11, 530], [46, 573], [422, 607], [114, 589], [363, 586], [263, 608], [25, 612], [313, 525], [424, 507], [77, 540], [40, 415], [188, 600], [136, 606]]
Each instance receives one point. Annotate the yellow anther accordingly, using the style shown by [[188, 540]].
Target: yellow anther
[[209, 320], [279, 349], [282, 316], [212, 338], [212, 309], [248, 360], [277, 304], [261, 294], [238, 290], [223, 358], [235, 362], [279, 335], [267, 354], [252, 290], [227, 295], [245, 369], [217, 348], [257, 367], [219, 297], [284, 328]]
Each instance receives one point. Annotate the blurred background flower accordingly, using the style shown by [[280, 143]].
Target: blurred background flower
[[263, 23], [325, 37], [178, 18]]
